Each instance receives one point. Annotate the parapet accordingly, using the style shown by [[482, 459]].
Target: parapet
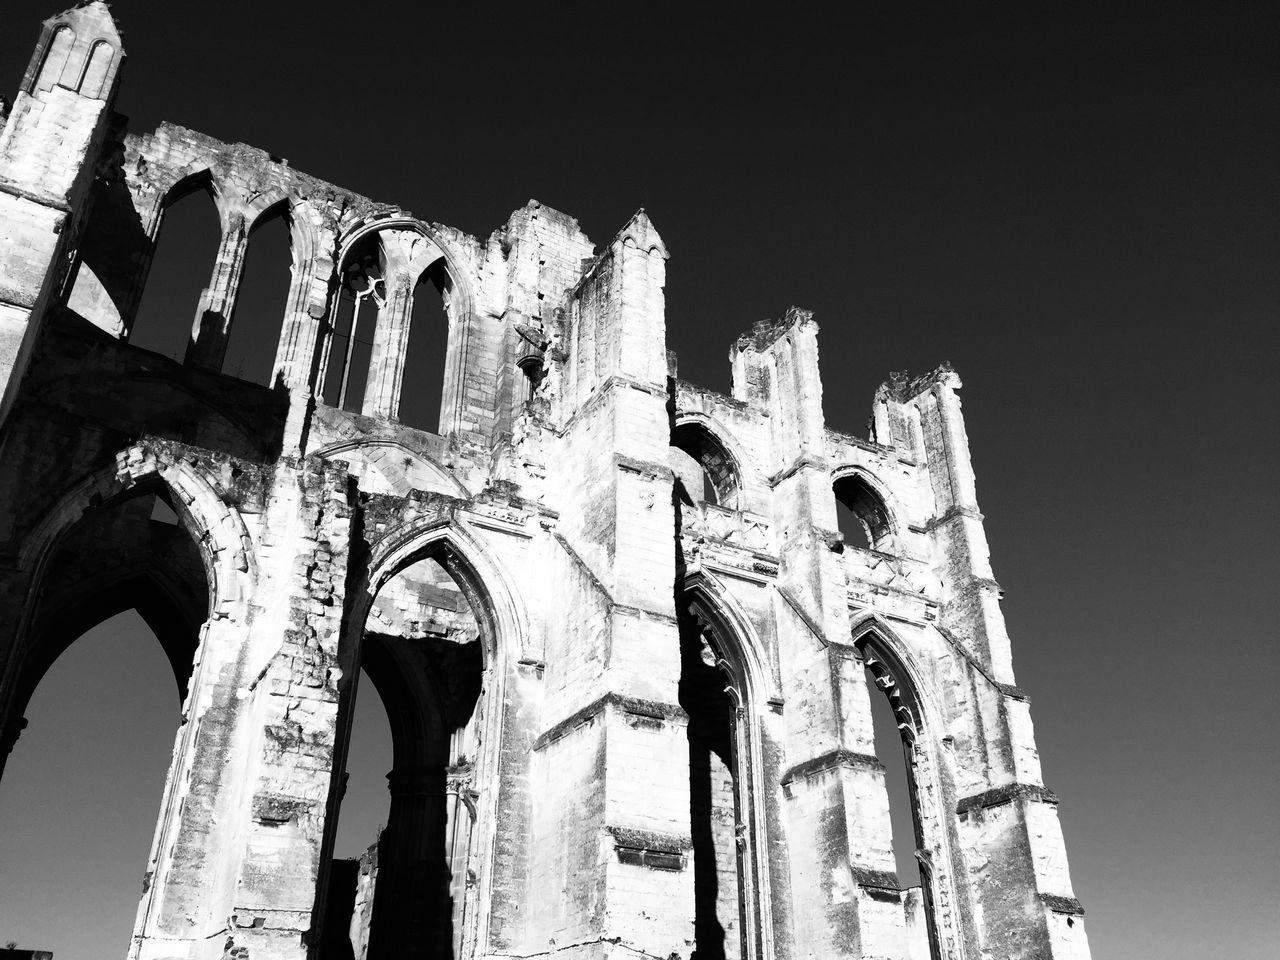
[[765, 333], [901, 388]]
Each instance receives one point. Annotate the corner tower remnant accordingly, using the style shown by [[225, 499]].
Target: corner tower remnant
[[620, 636]]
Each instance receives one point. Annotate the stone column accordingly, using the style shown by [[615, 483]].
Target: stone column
[[306, 317], [212, 326], [406, 254], [410, 918], [1010, 831], [236, 862]]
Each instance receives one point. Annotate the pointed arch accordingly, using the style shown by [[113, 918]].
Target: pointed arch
[[168, 299], [376, 289], [702, 439], [945, 899], [463, 780], [262, 295], [718, 640], [218, 529], [97, 66], [867, 504], [745, 652], [465, 298], [58, 46], [371, 462]]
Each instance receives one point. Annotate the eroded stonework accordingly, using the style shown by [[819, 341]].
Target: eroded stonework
[[620, 637]]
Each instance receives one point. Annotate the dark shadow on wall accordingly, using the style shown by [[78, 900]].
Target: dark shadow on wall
[[703, 693], [112, 251]]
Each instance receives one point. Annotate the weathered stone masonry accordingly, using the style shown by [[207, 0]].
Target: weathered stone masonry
[[619, 635]]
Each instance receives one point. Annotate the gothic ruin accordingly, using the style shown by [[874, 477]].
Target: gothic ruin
[[623, 644]]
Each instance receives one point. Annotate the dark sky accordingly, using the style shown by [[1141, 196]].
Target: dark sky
[[1075, 205]]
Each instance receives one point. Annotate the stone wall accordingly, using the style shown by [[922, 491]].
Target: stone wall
[[628, 722]]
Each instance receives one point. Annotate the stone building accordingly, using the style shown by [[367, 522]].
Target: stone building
[[620, 638]]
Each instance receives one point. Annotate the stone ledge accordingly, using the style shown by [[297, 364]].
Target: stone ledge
[[1006, 794], [645, 848], [952, 514], [829, 761], [650, 709]]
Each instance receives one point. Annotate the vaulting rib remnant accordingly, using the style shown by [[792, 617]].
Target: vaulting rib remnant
[[620, 638]]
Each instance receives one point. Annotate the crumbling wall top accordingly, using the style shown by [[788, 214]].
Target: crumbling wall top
[[765, 333], [901, 387]]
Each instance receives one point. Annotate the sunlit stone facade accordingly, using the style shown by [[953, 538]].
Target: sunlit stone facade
[[619, 635]]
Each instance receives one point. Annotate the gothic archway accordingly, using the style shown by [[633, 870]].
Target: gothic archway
[[426, 631], [364, 347], [722, 680], [943, 902]]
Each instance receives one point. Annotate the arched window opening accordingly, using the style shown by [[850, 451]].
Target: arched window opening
[[895, 724], [861, 514], [95, 70], [260, 304], [91, 716], [55, 58], [890, 748], [422, 389], [361, 295], [722, 825], [82, 789], [703, 467], [186, 250], [533, 370], [411, 890]]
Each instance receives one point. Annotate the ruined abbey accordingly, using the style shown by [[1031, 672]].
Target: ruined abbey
[[627, 655]]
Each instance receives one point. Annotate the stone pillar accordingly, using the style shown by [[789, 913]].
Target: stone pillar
[[236, 859], [611, 860], [845, 901], [409, 915], [49, 147], [971, 594], [297, 367], [401, 270], [212, 326], [1010, 831], [406, 256]]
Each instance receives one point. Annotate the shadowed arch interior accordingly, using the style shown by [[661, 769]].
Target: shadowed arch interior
[[130, 556], [117, 558], [703, 466], [715, 692], [422, 649], [861, 513]]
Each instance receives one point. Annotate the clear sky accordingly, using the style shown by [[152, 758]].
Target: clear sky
[[1075, 204]]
